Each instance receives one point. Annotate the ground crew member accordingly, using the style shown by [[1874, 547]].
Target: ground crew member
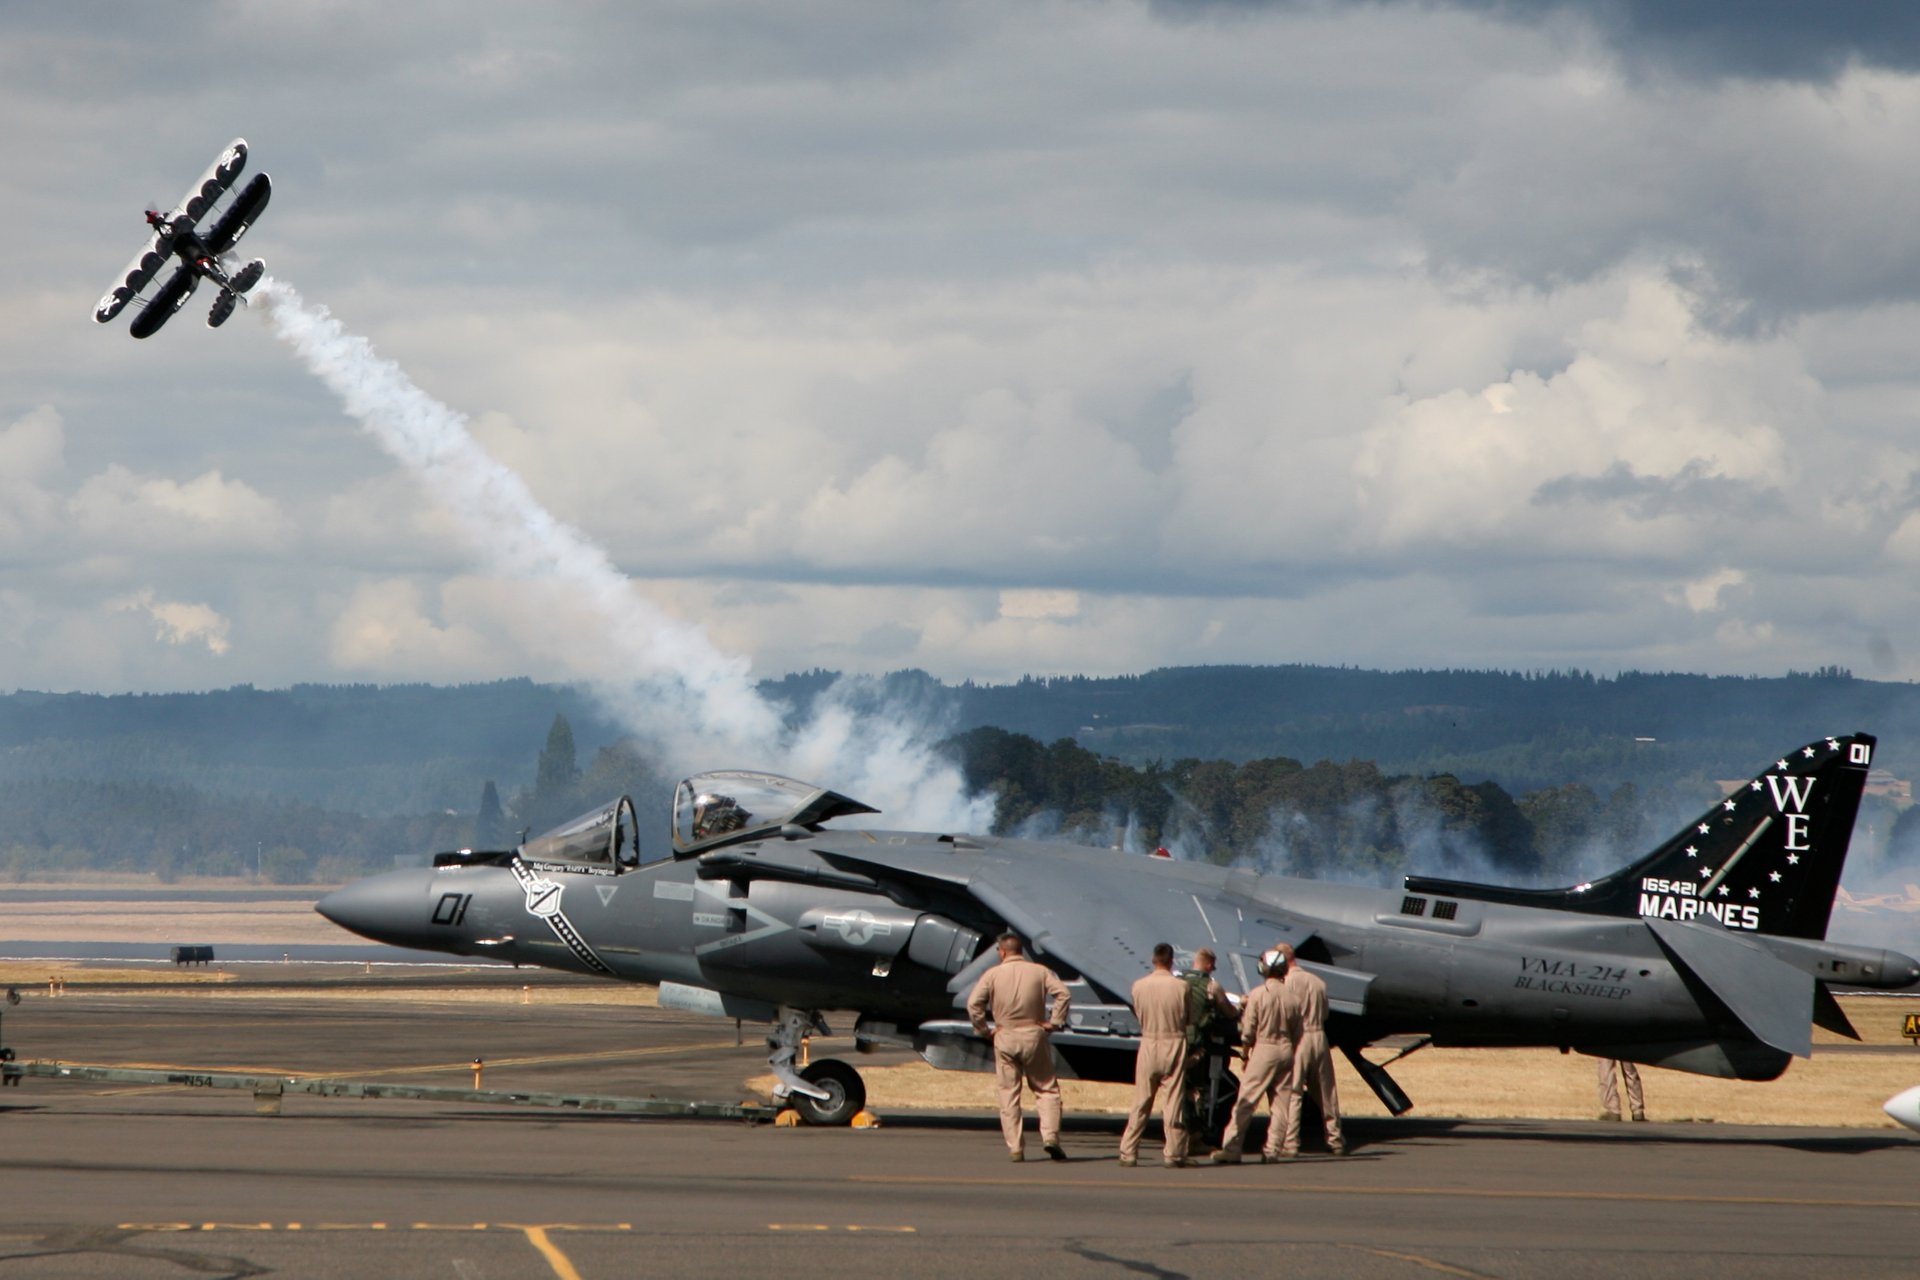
[[1304, 1005], [1210, 1040], [1610, 1094], [1017, 994], [1206, 998], [1269, 1069], [1160, 1004]]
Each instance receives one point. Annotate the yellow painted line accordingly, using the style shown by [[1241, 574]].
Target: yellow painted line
[[523, 1227], [1206, 1185], [1418, 1260], [561, 1264]]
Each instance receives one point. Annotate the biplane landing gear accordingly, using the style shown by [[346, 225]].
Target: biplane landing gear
[[827, 1092]]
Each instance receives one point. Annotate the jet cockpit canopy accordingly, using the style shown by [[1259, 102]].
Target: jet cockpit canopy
[[606, 839], [730, 805]]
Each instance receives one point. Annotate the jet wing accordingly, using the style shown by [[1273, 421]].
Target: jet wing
[[241, 214], [160, 308], [134, 278], [1100, 913]]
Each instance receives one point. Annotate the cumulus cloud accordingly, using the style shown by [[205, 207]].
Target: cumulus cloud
[[178, 622], [385, 629], [208, 511], [1003, 338], [31, 450]]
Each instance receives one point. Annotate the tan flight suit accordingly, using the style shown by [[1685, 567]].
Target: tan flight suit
[[1016, 992], [1304, 1001], [1160, 1003], [1263, 1034], [1610, 1093]]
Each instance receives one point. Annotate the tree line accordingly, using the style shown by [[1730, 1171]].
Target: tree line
[[1347, 820], [1331, 820]]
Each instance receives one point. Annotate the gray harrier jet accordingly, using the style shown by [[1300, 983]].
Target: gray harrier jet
[[201, 254], [1707, 955]]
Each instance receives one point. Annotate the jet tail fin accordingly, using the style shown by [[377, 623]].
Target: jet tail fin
[[1766, 859]]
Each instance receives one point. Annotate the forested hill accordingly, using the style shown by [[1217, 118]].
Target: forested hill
[[398, 749], [1522, 730], [370, 749], [1528, 773]]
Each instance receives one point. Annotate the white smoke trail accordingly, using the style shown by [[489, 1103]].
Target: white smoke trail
[[664, 680]]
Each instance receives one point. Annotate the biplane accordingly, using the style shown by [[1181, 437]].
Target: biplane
[[203, 254]]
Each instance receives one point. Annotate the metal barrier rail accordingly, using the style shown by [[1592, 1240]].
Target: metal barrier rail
[[268, 1090]]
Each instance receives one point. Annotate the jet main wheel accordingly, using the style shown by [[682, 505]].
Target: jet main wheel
[[846, 1093]]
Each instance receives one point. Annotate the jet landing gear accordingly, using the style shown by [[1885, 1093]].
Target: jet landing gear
[[827, 1092]]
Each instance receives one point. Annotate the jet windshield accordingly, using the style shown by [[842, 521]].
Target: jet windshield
[[729, 805], [607, 837]]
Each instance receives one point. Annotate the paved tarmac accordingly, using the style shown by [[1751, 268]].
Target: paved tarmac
[[117, 1181]]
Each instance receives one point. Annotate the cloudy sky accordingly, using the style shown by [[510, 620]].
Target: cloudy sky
[[988, 338]]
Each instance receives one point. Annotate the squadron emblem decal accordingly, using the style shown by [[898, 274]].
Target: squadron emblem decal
[[543, 900]]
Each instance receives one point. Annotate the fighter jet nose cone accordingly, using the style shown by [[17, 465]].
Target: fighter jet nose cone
[[336, 907], [391, 908]]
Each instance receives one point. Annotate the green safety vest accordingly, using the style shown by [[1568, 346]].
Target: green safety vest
[[1200, 1010]]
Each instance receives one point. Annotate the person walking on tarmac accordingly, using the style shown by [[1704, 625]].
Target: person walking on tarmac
[[1263, 1035], [1016, 993], [1610, 1093], [1160, 1004], [1210, 1041], [1304, 1006]]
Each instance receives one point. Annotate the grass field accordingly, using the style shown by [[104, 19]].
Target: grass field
[[1832, 1089]]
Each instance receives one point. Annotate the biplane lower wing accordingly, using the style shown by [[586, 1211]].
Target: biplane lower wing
[[160, 308]]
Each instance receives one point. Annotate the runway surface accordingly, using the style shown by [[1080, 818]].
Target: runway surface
[[112, 1181]]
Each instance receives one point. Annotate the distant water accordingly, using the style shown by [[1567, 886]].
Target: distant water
[[236, 953], [350, 951], [86, 893]]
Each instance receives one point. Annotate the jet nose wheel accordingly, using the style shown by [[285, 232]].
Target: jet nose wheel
[[846, 1093]]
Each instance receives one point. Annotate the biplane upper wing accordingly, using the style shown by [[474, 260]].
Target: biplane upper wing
[[212, 185], [240, 215]]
